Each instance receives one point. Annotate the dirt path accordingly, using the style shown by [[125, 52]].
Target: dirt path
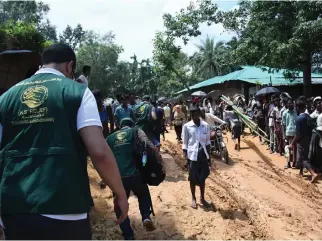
[[255, 198]]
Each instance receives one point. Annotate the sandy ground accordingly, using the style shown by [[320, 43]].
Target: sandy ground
[[253, 198]]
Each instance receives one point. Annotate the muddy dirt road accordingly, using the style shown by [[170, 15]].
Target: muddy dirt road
[[253, 198]]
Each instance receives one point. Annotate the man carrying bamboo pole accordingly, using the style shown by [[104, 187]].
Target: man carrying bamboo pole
[[235, 124]]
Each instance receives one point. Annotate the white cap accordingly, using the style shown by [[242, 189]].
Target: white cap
[[319, 123], [317, 98]]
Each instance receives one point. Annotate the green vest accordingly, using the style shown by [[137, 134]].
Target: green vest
[[43, 163], [142, 114], [121, 143]]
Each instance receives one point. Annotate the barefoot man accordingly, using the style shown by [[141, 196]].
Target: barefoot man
[[196, 148]]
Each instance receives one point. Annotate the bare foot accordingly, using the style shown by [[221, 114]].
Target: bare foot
[[194, 204], [314, 178]]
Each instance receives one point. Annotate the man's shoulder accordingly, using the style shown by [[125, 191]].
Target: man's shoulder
[[302, 117], [205, 124], [190, 123]]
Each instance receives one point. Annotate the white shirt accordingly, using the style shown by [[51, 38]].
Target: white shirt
[[211, 119], [167, 111], [315, 114], [83, 79], [192, 136], [87, 115]]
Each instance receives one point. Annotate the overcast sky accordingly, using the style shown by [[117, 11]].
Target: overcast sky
[[134, 22]]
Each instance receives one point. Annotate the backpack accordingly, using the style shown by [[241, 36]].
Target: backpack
[[153, 172], [311, 122]]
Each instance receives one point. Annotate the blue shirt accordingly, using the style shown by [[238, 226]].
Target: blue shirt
[[159, 112], [289, 121], [103, 115], [302, 127], [122, 113]]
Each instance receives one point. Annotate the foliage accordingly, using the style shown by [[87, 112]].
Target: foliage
[[280, 34], [73, 37], [214, 59], [171, 63], [25, 11], [21, 36], [101, 53], [31, 12]]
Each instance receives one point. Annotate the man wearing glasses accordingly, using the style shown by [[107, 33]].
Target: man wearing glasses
[[50, 125]]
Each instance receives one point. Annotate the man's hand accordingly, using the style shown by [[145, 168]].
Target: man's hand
[[121, 204]]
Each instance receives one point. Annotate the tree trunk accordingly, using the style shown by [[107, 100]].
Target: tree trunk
[[307, 83]]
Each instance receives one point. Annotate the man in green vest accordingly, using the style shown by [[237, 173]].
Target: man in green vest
[[50, 125], [145, 114], [123, 146]]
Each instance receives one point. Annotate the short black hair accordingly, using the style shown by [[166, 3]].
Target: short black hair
[[126, 97], [284, 100], [194, 109], [58, 53], [146, 98], [300, 103], [86, 68], [96, 93], [303, 98]]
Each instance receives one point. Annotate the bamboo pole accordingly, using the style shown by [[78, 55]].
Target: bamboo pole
[[246, 119]]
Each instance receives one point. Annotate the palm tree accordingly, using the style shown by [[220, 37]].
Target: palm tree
[[207, 58]]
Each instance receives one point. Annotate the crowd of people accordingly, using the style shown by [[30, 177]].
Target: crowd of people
[[50, 123], [293, 128]]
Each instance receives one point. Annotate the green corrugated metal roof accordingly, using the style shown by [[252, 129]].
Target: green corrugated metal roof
[[254, 75]]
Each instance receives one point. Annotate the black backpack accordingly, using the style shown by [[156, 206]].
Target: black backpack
[[153, 172], [311, 122]]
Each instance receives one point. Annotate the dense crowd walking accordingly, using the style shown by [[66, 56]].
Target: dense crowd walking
[[51, 123]]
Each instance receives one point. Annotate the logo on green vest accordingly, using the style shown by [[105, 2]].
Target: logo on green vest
[[120, 138], [34, 96]]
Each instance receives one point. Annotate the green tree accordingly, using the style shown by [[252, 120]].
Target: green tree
[[20, 35], [73, 37], [28, 12], [101, 53], [280, 34], [208, 58], [169, 60]]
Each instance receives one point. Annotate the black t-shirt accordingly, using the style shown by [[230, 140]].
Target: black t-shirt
[[302, 126]]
